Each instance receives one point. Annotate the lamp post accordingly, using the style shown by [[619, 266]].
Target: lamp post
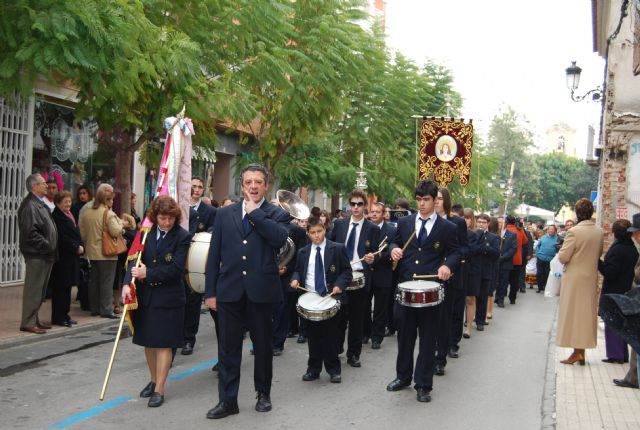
[[528, 210], [573, 80], [361, 179]]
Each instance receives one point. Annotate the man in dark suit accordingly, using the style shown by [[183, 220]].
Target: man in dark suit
[[381, 280], [488, 253], [431, 248], [242, 284], [201, 218], [452, 313], [322, 266], [508, 248], [360, 237]]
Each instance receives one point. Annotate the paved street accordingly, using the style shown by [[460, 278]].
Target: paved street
[[497, 383]]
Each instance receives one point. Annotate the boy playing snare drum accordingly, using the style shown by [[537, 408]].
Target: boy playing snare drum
[[322, 267]]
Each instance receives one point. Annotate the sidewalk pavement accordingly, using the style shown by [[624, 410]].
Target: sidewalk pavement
[[10, 315], [586, 397]]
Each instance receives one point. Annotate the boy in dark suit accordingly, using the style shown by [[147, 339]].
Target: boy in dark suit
[[319, 266]]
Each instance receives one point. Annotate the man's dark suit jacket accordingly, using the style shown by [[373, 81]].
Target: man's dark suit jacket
[[508, 250], [382, 272], [242, 263], [440, 248], [488, 252]]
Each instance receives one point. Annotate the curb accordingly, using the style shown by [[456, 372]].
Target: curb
[[548, 405], [32, 339]]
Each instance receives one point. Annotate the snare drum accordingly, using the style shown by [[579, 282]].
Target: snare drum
[[314, 307], [420, 294], [197, 261], [357, 282]]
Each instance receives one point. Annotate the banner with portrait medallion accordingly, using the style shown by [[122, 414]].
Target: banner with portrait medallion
[[445, 150]]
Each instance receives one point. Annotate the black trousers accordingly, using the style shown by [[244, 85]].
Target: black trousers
[[368, 315], [323, 347], [457, 317], [234, 318], [352, 315], [60, 302], [192, 315], [411, 323], [444, 326], [514, 282], [481, 301], [523, 274], [381, 300], [503, 281], [542, 273], [282, 318]]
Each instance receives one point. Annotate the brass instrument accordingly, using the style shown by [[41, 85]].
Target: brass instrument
[[297, 208]]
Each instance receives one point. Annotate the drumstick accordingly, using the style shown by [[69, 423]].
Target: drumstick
[[304, 289], [325, 297], [375, 253], [394, 265], [424, 276]]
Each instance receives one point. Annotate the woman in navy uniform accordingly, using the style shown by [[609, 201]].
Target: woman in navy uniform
[[159, 319]]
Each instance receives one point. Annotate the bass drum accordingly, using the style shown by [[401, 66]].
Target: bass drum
[[197, 261]]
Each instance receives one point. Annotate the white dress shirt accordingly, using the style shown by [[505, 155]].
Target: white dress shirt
[[355, 256], [245, 212], [310, 280], [431, 220]]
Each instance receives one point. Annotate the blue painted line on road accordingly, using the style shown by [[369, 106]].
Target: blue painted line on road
[[90, 413], [199, 368]]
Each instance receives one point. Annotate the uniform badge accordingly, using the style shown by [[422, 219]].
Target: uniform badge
[[168, 257], [436, 245], [367, 243], [332, 268], [201, 226]]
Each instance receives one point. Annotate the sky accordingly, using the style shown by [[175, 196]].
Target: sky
[[506, 53]]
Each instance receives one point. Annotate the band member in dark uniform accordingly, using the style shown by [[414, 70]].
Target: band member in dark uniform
[[488, 252], [360, 237], [508, 249], [242, 284], [201, 218], [452, 312], [159, 319], [433, 250], [322, 266], [381, 280]]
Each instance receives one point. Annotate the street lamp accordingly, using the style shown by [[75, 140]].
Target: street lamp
[[573, 80]]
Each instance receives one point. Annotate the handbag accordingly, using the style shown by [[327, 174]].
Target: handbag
[[111, 245]]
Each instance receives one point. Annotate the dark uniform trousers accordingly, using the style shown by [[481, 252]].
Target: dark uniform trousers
[[457, 315], [381, 299], [234, 318], [503, 282], [444, 326], [323, 347], [481, 302], [514, 282], [282, 314], [352, 315]]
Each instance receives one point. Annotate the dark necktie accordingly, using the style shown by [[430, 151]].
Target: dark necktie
[[422, 237], [319, 274], [351, 240], [246, 226], [162, 235]]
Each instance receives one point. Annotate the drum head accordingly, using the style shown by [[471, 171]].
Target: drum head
[[419, 285], [203, 236], [315, 302], [357, 275]]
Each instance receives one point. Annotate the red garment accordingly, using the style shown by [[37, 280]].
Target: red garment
[[522, 240]]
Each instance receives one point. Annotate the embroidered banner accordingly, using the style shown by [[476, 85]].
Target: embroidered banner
[[445, 150]]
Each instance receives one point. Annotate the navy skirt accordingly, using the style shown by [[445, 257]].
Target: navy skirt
[[159, 327]]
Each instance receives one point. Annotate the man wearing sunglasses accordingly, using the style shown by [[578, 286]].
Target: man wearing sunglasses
[[361, 238]]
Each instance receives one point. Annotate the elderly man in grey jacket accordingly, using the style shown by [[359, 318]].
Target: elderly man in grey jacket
[[38, 244]]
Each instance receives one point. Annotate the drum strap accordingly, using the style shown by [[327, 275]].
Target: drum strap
[[321, 288]]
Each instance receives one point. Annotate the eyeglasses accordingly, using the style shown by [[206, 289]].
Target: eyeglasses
[[354, 204]]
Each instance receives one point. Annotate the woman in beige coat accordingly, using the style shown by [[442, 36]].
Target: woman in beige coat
[[103, 268], [580, 253]]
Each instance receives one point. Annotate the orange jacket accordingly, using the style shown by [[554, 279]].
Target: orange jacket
[[522, 240]]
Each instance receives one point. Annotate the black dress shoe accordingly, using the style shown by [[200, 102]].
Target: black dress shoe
[[277, 352], [310, 376], [398, 384], [439, 370], [155, 400], [423, 395], [354, 362], [612, 360], [539, 291], [264, 402], [187, 349], [512, 302], [335, 379], [63, 323], [453, 353], [480, 327], [466, 335], [365, 340], [625, 384], [215, 367], [222, 410], [70, 321], [501, 304], [523, 290], [301, 339], [375, 345], [111, 316], [148, 390]]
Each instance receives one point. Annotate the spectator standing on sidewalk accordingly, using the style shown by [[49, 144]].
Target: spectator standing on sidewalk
[[38, 244], [545, 251]]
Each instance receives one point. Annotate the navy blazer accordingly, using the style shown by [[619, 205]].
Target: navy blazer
[[337, 267], [463, 242], [164, 285], [508, 249], [382, 276], [240, 264], [487, 254], [368, 241], [300, 240], [441, 248], [202, 219]]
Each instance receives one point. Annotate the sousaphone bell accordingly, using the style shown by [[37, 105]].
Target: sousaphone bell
[[295, 207]]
